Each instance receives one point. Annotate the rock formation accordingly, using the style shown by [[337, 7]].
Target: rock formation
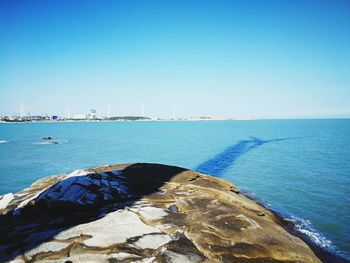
[[141, 213]]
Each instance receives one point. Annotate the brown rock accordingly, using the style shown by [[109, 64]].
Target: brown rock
[[142, 213]]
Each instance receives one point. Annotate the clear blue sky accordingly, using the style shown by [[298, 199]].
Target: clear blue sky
[[258, 59]]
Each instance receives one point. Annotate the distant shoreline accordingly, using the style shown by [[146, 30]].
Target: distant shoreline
[[152, 120], [166, 120]]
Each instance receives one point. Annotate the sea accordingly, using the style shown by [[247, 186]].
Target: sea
[[298, 168]]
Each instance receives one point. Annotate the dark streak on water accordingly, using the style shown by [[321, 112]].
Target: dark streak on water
[[304, 173], [218, 165]]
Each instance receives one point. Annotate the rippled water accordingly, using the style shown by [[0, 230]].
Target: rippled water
[[300, 168]]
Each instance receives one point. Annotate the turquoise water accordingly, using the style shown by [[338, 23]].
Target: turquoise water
[[300, 168]]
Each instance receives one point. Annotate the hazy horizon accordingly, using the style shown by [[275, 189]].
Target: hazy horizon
[[230, 59]]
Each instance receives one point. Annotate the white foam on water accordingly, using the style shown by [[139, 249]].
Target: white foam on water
[[50, 142], [3, 141], [305, 227], [59, 142]]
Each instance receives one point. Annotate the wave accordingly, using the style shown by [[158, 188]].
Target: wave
[[3, 141], [51, 142], [304, 229], [315, 238]]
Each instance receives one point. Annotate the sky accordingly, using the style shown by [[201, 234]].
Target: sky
[[232, 59]]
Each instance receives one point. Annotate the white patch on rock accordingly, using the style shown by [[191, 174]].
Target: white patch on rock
[[17, 260], [89, 258], [179, 258], [114, 228], [79, 172], [46, 247], [182, 201], [5, 200], [252, 223], [150, 213], [26, 201], [79, 258], [153, 241], [123, 255]]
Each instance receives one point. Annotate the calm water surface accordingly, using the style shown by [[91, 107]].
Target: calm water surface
[[300, 168]]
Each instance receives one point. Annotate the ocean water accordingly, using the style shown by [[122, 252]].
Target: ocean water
[[299, 168]]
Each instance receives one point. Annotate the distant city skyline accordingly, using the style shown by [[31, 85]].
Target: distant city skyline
[[230, 59], [69, 114]]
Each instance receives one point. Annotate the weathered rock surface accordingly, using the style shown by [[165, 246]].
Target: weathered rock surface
[[141, 213]]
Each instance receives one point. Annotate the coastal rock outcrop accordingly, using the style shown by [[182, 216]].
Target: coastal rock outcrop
[[141, 213]]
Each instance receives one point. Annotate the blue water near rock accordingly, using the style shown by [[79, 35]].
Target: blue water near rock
[[300, 168]]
